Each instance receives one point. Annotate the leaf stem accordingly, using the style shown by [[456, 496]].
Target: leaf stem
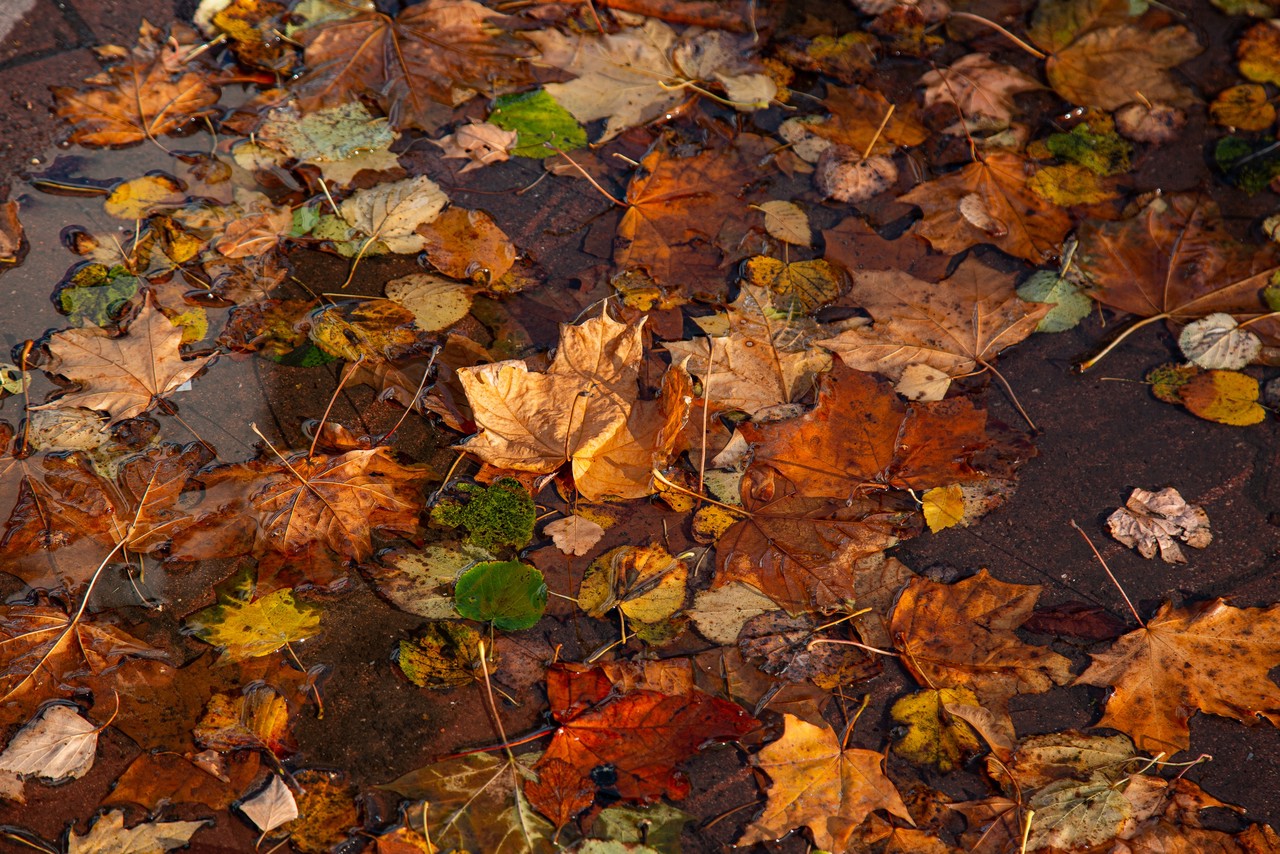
[[978, 19], [1110, 575], [1115, 342]]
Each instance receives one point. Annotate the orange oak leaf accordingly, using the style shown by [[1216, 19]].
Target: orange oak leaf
[[639, 735], [582, 410], [954, 325], [434, 51], [149, 95], [679, 208], [1176, 260], [988, 201], [124, 375], [861, 434], [962, 636], [1210, 657], [817, 783], [803, 552]]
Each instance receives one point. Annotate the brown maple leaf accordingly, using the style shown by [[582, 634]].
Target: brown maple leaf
[[1211, 657], [954, 325], [434, 51], [1175, 260], [979, 88], [962, 636], [802, 552], [862, 435], [149, 95], [817, 783], [680, 209], [640, 734], [765, 360], [126, 375], [583, 410], [988, 201]]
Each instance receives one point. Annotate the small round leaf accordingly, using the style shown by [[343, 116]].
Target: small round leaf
[[509, 594]]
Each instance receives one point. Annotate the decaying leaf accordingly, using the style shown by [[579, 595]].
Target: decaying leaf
[[1217, 341], [980, 88], [271, 807], [574, 534], [1210, 657], [480, 143], [252, 628], [109, 836], [933, 735], [125, 375], [467, 245], [57, 745], [1151, 520], [391, 213], [1227, 397], [645, 583], [819, 784]]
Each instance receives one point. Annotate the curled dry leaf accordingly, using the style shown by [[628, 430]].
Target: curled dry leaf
[[574, 534], [480, 143], [1151, 520]]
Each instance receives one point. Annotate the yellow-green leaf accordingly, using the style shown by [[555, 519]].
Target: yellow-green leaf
[[260, 627]]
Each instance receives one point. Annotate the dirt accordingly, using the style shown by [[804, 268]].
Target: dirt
[[1099, 435]]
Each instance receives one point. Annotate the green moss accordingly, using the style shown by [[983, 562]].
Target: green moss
[[495, 516], [1102, 153]]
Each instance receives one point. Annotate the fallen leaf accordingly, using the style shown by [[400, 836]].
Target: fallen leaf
[[1216, 341], [658, 826], [480, 143], [421, 581], [1107, 66], [1068, 305], [954, 326], [540, 124], [56, 745], [476, 803], [943, 507], [510, 594], [109, 836], [721, 612], [136, 198], [980, 89], [435, 51], [1259, 53], [678, 207], [391, 213], [436, 302], [248, 628], [12, 240], [819, 784], [126, 375], [1228, 397], [933, 736], [326, 812], [142, 98], [799, 649], [1153, 519], [979, 649], [764, 361], [856, 116], [787, 222], [271, 807], [330, 135], [612, 440], [800, 287], [641, 734], [645, 583], [468, 245], [1175, 259], [156, 778], [1007, 214], [1244, 107], [442, 655], [573, 534], [861, 434]]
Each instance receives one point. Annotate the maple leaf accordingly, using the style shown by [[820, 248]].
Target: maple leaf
[[953, 326], [127, 375], [678, 209], [583, 410], [641, 734], [980, 88], [804, 552], [856, 116], [861, 434], [476, 803], [295, 505], [437, 50], [988, 201], [148, 96], [1212, 657], [766, 360], [1175, 259], [817, 783], [978, 650]]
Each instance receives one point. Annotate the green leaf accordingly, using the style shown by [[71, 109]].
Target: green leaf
[[510, 594], [1249, 165], [96, 293], [537, 118], [658, 826], [250, 629], [1070, 305], [1102, 153]]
